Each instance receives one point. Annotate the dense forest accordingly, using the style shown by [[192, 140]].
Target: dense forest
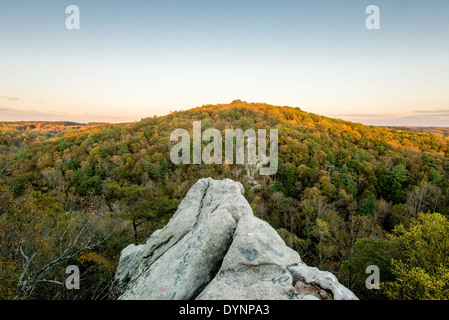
[[345, 196], [440, 130]]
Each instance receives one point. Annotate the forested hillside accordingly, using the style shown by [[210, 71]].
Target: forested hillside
[[345, 196], [438, 130]]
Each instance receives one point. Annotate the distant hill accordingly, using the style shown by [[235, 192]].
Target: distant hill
[[444, 131], [46, 126], [25, 132], [338, 184]]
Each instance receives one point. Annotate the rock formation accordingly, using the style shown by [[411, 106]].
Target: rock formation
[[215, 248]]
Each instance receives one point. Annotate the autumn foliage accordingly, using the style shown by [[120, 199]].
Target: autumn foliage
[[342, 191]]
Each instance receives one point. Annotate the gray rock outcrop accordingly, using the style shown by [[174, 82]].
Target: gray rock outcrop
[[215, 248]]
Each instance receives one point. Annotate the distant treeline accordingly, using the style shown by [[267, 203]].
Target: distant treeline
[[444, 131]]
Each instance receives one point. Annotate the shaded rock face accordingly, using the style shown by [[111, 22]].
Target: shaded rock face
[[215, 248]]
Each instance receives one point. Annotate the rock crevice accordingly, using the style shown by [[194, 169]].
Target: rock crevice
[[215, 248]]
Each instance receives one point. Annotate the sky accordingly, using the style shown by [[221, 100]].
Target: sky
[[138, 58]]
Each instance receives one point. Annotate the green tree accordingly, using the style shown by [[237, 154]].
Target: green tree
[[396, 178], [423, 271]]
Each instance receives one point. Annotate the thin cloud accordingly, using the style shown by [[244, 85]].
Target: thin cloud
[[430, 115], [439, 111], [12, 114], [436, 118], [10, 99], [361, 115]]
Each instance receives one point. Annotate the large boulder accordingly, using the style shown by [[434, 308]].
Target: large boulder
[[215, 248]]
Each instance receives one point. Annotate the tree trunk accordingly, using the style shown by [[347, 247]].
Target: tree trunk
[[135, 232]]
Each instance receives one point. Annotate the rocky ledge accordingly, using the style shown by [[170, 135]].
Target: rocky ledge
[[215, 248]]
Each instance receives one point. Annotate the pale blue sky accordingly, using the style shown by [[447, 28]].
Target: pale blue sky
[[133, 59]]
